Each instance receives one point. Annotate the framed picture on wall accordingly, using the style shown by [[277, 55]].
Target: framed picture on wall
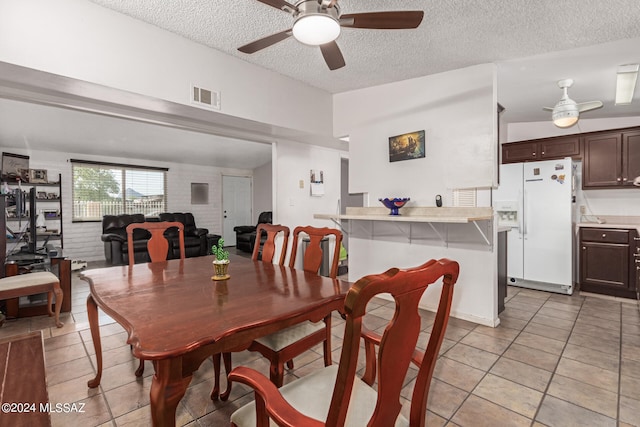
[[406, 146], [15, 167], [38, 176]]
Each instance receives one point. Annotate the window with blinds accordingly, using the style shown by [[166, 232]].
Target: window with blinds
[[111, 189]]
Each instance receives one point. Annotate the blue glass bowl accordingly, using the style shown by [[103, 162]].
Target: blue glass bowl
[[395, 204]]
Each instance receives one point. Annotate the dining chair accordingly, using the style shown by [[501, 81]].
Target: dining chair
[[333, 396], [266, 253], [157, 247], [282, 346]]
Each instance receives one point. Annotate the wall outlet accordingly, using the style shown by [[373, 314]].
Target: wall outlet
[[583, 209], [301, 183]]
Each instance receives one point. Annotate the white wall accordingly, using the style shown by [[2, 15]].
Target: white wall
[[262, 190], [615, 202], [457, 110], [294, 206], [82, 240], [79, 39]]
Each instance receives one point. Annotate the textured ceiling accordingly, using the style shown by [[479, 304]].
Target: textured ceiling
[[534, 44], [454, 34]]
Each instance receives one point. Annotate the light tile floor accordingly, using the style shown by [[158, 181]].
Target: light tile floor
[[554, 361]]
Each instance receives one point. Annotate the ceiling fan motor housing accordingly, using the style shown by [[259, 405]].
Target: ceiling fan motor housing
[[316, 7], [315, 23]]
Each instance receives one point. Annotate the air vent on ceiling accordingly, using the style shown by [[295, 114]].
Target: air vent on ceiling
[[205, 98]]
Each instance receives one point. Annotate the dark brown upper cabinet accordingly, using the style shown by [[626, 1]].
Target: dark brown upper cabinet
[[542, 149], [611, 159]]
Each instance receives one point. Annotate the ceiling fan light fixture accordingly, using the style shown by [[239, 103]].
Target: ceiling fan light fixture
[[626, 83], [316, 29], [565, 122], [565, 114]]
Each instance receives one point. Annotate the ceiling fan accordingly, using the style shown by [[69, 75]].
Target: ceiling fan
[[318, 22], [566, 111]]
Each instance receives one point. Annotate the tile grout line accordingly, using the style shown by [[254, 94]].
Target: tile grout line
[[553, 374], [494, 363]]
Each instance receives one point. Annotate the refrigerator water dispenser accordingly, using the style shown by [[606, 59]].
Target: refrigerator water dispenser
[[507, 212]]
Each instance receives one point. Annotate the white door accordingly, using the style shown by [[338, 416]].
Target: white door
[[236, 206]]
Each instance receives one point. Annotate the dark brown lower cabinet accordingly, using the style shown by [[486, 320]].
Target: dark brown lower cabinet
[[607, 262]]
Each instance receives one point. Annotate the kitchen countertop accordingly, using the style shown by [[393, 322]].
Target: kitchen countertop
[[610, 221], [415, 214]]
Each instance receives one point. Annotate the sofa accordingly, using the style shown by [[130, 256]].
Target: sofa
[[114, 236], [246, 234]]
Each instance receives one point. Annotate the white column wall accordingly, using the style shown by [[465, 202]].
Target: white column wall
[[458, 111], [294, 206]]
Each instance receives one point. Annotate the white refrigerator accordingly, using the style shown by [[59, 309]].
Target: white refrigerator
[[536, 199]]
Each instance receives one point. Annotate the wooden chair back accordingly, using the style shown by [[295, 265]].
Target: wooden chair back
[[157, 245], [269, 246], [397, 349], [313, 253], [398, 342]]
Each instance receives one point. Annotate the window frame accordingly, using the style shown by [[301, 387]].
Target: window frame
[[124, 169]]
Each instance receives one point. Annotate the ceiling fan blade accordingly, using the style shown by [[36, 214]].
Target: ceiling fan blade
[[396, 20], [586, 106], [265, 42], [547, 108], [280, 4], [332, 55]]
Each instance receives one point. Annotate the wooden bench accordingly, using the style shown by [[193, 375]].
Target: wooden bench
[[31, 284], [23, 383]]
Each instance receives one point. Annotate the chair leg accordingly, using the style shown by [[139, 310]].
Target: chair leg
[[326, 345], [59, 296], [290, 364], [140, 369], [276, 373]]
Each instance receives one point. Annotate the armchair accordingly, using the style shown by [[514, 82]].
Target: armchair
[[114, 236], [195, 239], [246, 234]]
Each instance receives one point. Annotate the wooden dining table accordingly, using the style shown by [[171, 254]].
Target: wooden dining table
[[177, 316]]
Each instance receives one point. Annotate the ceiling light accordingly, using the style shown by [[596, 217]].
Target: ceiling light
[[626, 83], [316, 29], [565, 113]]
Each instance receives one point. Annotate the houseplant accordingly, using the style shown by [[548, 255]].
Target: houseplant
[[221, 263]]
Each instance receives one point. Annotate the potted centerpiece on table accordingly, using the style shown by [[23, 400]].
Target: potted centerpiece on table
[[221, 263]]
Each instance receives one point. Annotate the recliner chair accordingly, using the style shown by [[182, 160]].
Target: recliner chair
[[195, 239], [246, 234]]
